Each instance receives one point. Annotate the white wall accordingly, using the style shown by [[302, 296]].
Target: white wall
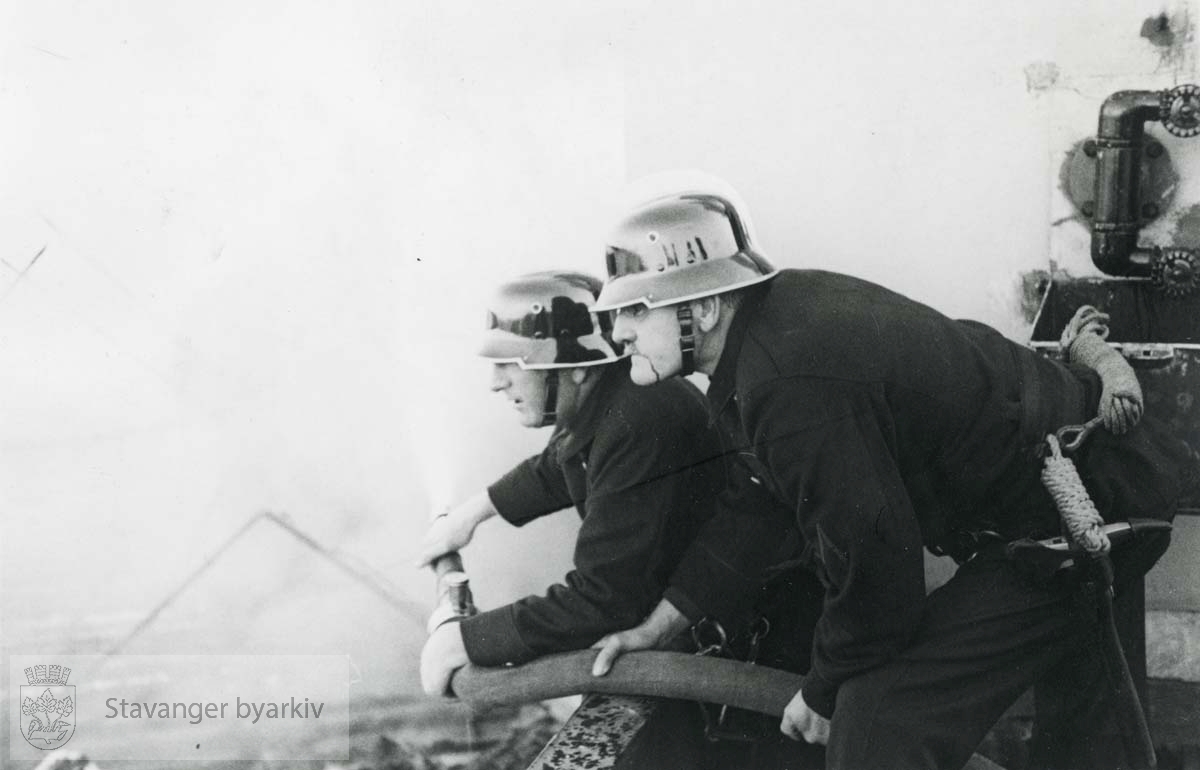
[[267, 229]]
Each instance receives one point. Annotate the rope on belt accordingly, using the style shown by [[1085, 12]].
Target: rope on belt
[[1074, 504]]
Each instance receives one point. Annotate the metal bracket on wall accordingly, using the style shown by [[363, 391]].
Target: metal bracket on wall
[[1130, 175]]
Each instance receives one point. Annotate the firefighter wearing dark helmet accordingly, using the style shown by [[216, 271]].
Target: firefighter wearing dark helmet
[[884, 427]]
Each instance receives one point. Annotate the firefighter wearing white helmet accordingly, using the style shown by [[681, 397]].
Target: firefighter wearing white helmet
[[884, 428], [544, 322], [641, 465], [674, 250]]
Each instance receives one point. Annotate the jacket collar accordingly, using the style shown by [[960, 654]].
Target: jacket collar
[[723, 383], [573, 437]]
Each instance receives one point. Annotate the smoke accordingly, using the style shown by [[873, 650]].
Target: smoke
[[263, 238]]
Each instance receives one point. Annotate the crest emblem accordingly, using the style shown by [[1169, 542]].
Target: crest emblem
[[47, 707]]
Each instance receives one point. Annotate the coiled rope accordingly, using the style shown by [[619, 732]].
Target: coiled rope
[[1075, 506]]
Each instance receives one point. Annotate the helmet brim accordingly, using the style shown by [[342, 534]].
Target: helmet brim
[[503, 347], [684, 285]]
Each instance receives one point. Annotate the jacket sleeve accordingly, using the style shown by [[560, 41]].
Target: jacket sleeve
[[533, 488], [633, 486], [829, 446]]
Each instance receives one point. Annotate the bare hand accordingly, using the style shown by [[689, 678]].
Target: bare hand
[[801, 723], [442, 655], [613, 645], [449, 532], [662, 625]]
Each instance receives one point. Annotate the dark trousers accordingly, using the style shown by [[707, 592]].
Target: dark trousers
[[770, 749], [791, 603], [988, 635]]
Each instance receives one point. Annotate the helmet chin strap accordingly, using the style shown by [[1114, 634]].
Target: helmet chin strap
[[550, 406], [687, 340]]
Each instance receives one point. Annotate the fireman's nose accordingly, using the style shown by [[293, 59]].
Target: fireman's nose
[[622, 328], [500, 378]]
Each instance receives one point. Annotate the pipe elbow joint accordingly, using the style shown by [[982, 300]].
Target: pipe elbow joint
[[1125, 112], [1118, 253]]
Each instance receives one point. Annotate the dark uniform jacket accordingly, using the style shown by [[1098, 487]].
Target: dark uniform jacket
[[642, 466], [885, 426]]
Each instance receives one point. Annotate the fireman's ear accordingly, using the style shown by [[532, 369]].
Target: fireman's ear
[[707, 312]]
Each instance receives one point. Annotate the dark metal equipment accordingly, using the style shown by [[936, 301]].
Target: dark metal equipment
[[1131, 178]]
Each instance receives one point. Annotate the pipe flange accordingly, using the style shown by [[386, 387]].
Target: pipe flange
[[1179, 110], [1176, 272]]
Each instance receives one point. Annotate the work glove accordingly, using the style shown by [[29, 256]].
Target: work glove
[[1121, 401]]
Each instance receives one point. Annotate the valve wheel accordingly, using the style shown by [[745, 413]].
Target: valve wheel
[[1179, 110], [1176, 272]]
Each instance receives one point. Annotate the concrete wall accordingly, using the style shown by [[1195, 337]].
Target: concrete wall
[[244, 247]]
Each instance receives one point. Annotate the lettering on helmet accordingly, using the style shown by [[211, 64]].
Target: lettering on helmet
[[672, 256], [695, 252]]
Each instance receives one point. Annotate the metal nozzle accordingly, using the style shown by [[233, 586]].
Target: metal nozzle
[[458, 593], [453, 591]]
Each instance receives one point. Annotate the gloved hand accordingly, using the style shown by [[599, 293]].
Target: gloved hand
[[1121, 394], [1121, 401]]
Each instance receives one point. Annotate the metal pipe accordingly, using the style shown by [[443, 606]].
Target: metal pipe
[[1118, 216]]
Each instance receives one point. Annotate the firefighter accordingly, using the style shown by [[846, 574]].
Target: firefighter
[[643, 467], [885, 428], [639, 465]]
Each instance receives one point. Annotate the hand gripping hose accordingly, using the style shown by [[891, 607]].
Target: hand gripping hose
[[661, 674]]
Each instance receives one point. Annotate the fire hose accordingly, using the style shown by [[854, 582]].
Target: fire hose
[[758, 688], [730, 682], [660, 674], [650, 673]]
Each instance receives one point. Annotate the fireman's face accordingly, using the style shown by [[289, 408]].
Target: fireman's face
[[525, 388], [651, 337]]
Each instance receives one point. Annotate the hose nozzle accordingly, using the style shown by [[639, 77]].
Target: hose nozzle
[[455, 600]]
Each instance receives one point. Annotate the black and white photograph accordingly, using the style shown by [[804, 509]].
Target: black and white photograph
[[586, 386]]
